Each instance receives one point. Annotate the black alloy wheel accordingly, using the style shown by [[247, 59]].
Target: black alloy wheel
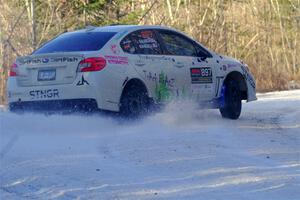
[[232, 104]]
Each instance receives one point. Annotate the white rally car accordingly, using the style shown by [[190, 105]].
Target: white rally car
[[127, 68]]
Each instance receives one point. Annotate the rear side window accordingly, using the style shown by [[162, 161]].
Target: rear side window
[[128, 46], [78, 41], [141, 42], [176, 44]]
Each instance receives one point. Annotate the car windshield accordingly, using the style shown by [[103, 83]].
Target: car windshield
[[78, 41]]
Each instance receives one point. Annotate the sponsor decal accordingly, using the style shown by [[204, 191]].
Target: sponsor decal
[[48, 60], [45, 60], [44, 94], [231, 66], [146, 40], [148, 46], [139, 63], [162, 91], [164, 86], [165, 89], [155, 77], [201, 75], [117, 60], [114, 49], [153, 58], [147, 43], [146, 34], [82, 81], [227, 67], [150, 76]]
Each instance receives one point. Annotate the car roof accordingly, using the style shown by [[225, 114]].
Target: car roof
[[120, 28]]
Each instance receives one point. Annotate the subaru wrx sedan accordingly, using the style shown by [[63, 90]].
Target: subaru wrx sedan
[[127, 69]]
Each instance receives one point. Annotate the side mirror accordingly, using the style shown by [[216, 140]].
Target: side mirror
[[201, 53], [201, 58]]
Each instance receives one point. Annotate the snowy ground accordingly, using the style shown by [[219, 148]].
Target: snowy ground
[[181, 153]]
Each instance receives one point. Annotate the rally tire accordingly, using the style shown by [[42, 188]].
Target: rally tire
[[134, 102], [232, 101]]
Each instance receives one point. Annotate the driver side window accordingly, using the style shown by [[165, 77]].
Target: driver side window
[[202, 52], [141, 42], [176, 44]]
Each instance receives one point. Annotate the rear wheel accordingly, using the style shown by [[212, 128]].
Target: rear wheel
[[134, 101], [231, 105]]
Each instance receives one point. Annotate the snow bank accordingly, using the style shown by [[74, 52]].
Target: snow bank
[[180, 153]]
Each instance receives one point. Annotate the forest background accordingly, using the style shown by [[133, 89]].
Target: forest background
[[262, 33]]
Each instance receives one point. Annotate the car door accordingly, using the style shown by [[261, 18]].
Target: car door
[[178, 52], [147, 59], [190, 65], [203, 74]]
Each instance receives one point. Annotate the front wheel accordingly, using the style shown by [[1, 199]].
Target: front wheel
[[231, 101]]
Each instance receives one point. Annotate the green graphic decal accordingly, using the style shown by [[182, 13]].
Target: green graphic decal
[[165, 89], [162, 91]]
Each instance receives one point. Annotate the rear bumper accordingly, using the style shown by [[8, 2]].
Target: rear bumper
[[67, 105], [95, 87], [67, 97]]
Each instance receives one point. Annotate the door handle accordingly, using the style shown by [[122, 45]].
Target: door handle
[[139, 63], [179, 64]]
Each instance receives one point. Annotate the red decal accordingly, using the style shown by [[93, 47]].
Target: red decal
[[146, 34], [195, 71], [114, 49], [117, 60]]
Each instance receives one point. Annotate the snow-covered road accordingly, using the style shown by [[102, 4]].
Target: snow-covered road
[[181, 153]]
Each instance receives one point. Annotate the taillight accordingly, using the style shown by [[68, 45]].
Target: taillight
[[13, 70], [91, 64]]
